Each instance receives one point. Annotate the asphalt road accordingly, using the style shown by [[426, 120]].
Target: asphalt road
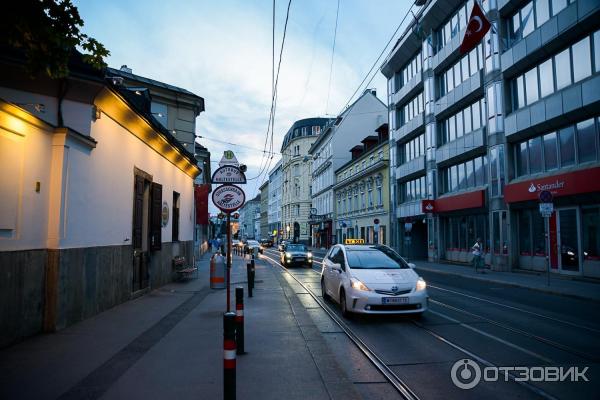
[[491, 324]]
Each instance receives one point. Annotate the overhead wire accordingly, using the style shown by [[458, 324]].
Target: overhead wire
[[337, 13]]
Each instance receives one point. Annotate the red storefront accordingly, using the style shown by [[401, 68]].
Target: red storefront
[[574, 227]]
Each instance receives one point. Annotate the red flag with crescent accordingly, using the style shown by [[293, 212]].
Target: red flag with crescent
[[476, 29]]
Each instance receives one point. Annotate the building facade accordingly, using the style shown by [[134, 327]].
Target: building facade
[[264, 210], [249, 218], [330, 151], [96, 195], [361, 192], [274, 217], [476, 137], [296, 181]]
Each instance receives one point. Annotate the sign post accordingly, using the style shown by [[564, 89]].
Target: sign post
[[546, 210], [228, 198], [376, 231]]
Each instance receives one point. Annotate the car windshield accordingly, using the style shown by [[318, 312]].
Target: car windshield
[[295, 247], [376, 257]]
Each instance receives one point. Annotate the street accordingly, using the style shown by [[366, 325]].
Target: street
[[491, 324]]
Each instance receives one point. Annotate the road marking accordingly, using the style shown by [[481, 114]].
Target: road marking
[[494, 337], [516, 308]]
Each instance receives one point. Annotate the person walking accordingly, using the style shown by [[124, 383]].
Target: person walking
[[477, 255]]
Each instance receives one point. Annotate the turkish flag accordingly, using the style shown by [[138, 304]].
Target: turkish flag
[[476, 29]]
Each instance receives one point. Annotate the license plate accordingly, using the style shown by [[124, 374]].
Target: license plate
[[394, 300], [299, 259]]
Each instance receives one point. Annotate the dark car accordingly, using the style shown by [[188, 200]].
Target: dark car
[[266, 243], [296, 254]]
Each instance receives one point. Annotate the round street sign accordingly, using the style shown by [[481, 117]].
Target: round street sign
[[545, 196], [376, 221], [228, 174], [228, 198]]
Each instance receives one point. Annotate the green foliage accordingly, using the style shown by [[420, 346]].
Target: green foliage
[[48, 32]]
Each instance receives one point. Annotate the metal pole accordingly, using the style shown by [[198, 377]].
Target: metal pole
[[228, 262], [547, 229]]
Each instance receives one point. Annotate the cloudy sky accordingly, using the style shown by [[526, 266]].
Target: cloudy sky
[[221, 50]]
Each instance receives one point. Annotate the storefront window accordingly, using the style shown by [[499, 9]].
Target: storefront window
[[538, 234], [590, 218], [524, 233]]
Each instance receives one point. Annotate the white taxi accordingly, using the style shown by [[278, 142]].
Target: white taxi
[[372, 279]]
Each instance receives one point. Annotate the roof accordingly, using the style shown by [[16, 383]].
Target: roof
[[142, 79], [300, 124]]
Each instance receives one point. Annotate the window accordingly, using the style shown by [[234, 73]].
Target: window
[[462, 176], [597, 50], [586, 141], [175, 223], [542, 12], [527, 21], [563, 69], [379, 192], [410, 70], [467, 66], [411, 190], [567, 146], [590, 218], [533, 15], [531, 86], [316, 130], [550, 151], [546, 78], [476, 111], [461, 123], [160, 112], [535, 155], [582, 67]]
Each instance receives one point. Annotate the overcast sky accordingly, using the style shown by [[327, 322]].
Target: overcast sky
[[221, 50]]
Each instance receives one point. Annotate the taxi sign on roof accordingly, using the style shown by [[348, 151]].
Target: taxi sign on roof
[[354, 241]]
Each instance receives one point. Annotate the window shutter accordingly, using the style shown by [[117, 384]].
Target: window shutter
[[138, 211], [155, 216]]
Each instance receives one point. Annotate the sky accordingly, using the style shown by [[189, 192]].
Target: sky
[[221, 50]]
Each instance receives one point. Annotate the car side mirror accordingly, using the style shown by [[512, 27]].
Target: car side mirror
[[412, 265]]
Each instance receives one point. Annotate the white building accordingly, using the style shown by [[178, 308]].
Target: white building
[[97, 198], [332, 150], [274, 217]]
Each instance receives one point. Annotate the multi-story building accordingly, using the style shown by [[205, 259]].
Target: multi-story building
[[274, 217], [330, 151], [248, 218], [362, 191], [480, 135], [264, 210], [296, 181]]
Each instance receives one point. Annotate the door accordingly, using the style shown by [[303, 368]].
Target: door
[[569, 241], [336, 273]]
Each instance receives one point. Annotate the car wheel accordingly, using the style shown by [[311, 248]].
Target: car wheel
[[324, 293], [343, 304]]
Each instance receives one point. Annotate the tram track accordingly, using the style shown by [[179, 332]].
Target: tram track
[[392, 377]]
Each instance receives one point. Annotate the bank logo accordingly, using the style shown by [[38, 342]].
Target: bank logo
[[532, 188], [465, 374]]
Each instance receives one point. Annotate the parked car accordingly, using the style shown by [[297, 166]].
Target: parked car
[[251, 245], [266, 243], [296, 254], [372, 279]]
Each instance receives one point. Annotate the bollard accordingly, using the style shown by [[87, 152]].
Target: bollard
[[249, 278], [239, 319], [252, 273], [229, 356]]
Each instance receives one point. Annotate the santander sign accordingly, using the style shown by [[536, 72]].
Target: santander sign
[[546, 186]]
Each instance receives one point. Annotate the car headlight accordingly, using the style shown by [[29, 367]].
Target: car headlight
[[288, 255], [358, 285], [309, 254], [421, 285]]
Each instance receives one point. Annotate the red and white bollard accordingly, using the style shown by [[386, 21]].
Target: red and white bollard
[[229, 356], [239, 319]]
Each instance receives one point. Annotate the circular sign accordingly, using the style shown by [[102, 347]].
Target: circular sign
[[376, 221], [545, 196], [228, 198], [228, 174], [164, 214]]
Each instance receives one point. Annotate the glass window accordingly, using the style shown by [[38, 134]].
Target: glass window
[[542, 11], [470, 174], [476, 116], [550, 151], [461, 176], [590, 218], [522, 159], [531, 85], [520, 92], [567, 146], [473, 61], [546, 78], [452, 128], [479, 171], [464, 64], [538, 234], [524, 233], [558, 5], [454, 175], [527, 19], [535, 155], [457, 76], [460, 128], [562, 63], [586, 140], [516, 27], [597, 50], [494, 171], [467, 118], [582, 65], [449, 80]]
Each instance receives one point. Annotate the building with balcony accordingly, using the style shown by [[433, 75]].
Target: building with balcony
[[332, 150], [296, 179], [476, 137], [361, 191], [274, 217]]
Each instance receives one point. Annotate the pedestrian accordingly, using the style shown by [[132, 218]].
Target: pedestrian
[[477, 254]]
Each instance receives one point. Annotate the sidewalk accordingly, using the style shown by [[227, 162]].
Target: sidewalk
[[562, 286], [169, 344]]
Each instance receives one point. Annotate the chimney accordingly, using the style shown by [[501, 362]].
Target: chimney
[[125, 68]]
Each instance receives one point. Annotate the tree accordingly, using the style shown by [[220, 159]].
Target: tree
[[48, 32]]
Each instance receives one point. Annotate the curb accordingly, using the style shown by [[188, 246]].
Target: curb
[[513, 284]]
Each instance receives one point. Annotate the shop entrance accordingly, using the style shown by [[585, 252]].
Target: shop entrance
[[569, 240]]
